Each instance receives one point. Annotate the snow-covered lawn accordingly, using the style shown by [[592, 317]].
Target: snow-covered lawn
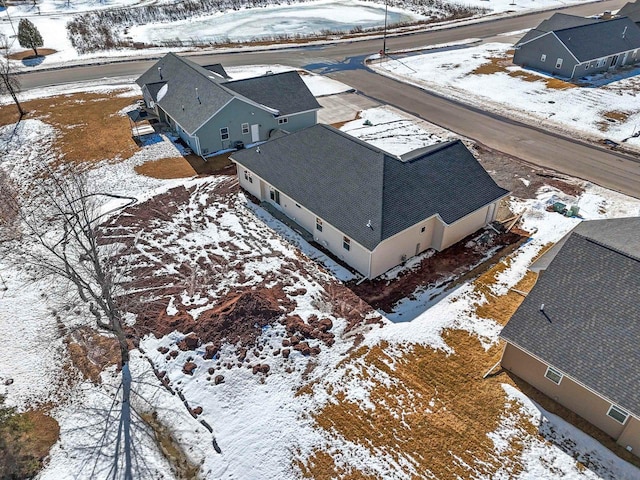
[[360, 405], [484, 76], [51, 17]]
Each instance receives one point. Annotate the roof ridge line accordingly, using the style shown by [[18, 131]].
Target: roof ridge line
[[608, 247]]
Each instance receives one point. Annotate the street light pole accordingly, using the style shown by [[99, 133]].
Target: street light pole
[[384, 35]]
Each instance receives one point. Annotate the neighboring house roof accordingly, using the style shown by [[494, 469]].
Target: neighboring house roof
[[285, 92], [631, 10], [191, 94], [557, 21], [352, 184], [590, 326], [589, 40], [217, 68]]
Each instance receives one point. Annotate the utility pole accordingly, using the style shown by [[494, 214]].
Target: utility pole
[[384, 35]]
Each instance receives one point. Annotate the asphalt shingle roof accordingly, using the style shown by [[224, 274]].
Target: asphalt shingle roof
[[558, 21], [285, 92], [592, 323], [631, 10], [350, 183]]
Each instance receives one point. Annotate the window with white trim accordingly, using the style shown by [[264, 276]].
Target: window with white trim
[[543, 58], [245, 128], [248, 176], [346, 243], [318, 224], [283, 120], [559, 63], [618, 414], [554, 375], [224, 133]]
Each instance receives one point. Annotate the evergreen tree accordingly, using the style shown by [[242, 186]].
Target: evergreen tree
[[29, 36]]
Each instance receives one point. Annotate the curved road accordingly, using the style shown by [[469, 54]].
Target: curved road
[[343, 61]]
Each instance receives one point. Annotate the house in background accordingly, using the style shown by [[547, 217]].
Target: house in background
[[576, 336], [631, 10], [368, 207], [572, 47], [211, 113]]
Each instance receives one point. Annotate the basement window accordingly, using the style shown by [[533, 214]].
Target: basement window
[[559, 63], [554, 375], [618, 414], [224, 133], [245, 128], [283, 120], [318, 224], [423, 229], [543, 58], [346, 243]]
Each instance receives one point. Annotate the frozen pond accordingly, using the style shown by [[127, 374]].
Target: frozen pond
[[269, 22]]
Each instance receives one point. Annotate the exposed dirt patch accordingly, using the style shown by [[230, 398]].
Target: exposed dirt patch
[[495, 64], [89, 126], [26, 54], [450, 263], [553, 83], [166, 168], [91, 352], [611, 118]]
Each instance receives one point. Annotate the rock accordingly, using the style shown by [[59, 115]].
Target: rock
[[218, 380], [190, 342], [276, 352], [210, 351], [242, 354], [256, 368], [197, 411], [163, 350], [295, 340], [188, 368], [303, 348], [285, 352], [325, 325], [211, 370], [315, 350], [264, 368], [8, 381], [286, 342], [174, 353]]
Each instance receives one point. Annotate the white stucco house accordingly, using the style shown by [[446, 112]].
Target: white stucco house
[[370, 208]]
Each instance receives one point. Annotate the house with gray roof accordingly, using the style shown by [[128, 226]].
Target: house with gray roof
[[631, 10], [572, 47], [372, 209], [575, 336], [210, 112]]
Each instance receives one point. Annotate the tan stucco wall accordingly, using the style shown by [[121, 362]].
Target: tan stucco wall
[[389, 253], [465, 226], [585, 403], [630, 437]]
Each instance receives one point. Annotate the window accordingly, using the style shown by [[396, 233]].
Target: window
[[617, 414], [553, 375], [559, 63], [601, 62], [245, 128], [283, 120], [275, 196], [543, 58], [248, 176], [423, 229], [346, 243], [318, 224], [224, 133]]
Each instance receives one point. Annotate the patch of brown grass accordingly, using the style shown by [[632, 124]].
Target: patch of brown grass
[[166, 168], [42, 52], [171, 449], [88, 124], [322, 466], [435, 413], [557, 84], [616, 115], [495, 64], [90, 352]]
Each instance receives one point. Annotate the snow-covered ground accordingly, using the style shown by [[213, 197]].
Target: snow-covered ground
[[51, 17], [484, 76], [262, 423]]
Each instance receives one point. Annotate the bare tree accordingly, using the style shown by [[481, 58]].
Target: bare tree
[[9, 82]]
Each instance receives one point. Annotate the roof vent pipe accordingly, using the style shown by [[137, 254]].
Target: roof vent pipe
[[542, 307], [160, 72], [624, 32], [198, 96]]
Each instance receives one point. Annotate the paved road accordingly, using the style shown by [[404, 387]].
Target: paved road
[[343, 62]]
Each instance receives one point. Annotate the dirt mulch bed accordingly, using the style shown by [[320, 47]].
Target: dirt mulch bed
[[187, 166], [28, 54], [453, 262]]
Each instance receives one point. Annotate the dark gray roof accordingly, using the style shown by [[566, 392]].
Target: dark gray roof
[[590, 295], [350, 183], [217, 68], [631, 10], [558, 21], [285, 92], [601, 39]]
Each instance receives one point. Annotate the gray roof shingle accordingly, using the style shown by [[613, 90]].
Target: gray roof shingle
[[558, 21], [590, 295], [285, 92], [350, 183], [631, 10], [194, 93]]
